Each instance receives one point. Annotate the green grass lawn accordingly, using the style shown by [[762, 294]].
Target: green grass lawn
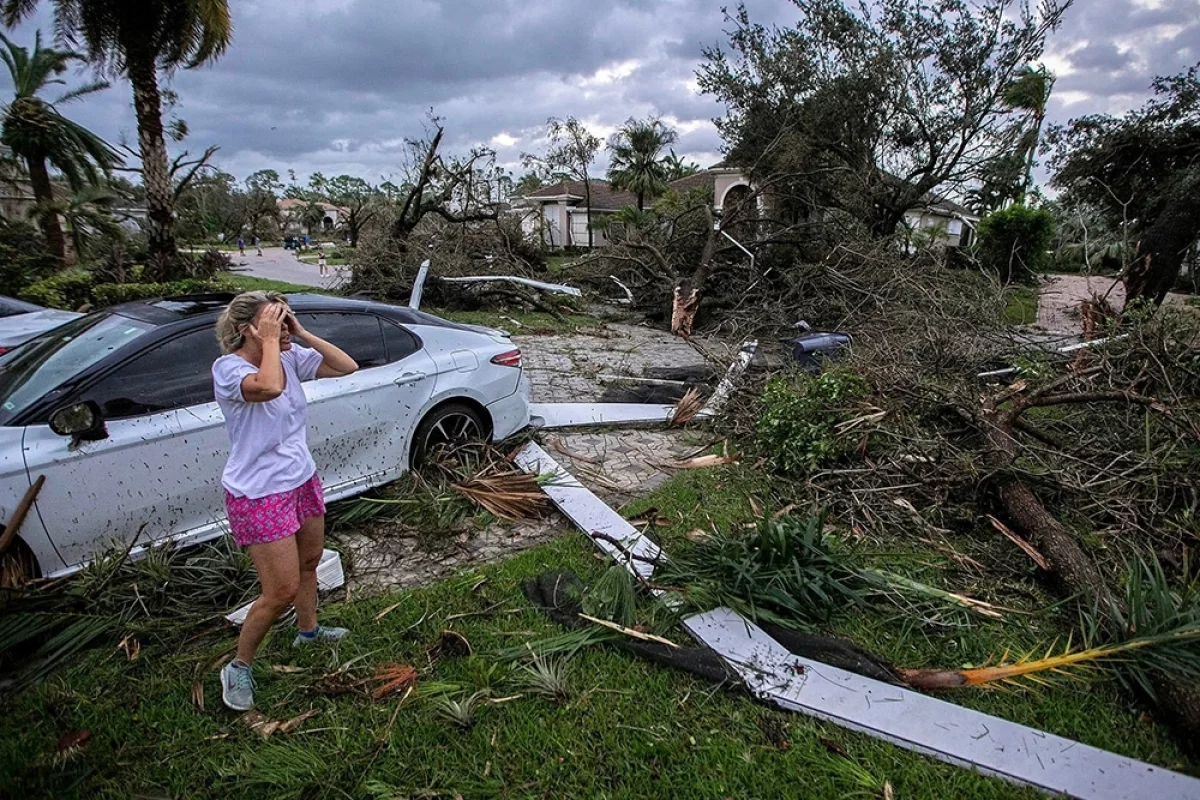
[[629, 729], [247, 283], [333, 261]]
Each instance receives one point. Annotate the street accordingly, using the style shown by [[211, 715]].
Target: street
[[279, 264]]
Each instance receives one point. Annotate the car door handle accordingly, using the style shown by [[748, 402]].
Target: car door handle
[[409, 377]]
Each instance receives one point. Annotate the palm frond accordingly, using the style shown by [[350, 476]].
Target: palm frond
[[505, 491], [786, 571]]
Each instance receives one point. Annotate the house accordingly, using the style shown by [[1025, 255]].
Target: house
[[943, 218], [291, 216], [558, 214]]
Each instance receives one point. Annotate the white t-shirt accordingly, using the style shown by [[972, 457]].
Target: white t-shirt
[[268, 447]]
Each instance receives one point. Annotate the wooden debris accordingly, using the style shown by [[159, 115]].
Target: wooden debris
[[20, 512], [646, 637], [1025, 546]]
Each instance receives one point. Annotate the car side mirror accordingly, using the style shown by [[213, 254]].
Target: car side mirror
[[83, 422]]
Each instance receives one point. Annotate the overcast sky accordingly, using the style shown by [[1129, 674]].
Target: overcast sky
[[336, 85]]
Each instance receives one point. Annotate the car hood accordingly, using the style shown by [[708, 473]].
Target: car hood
[[19, 327]]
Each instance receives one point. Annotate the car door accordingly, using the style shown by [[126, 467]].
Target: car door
[[359, 426], [137, 481]]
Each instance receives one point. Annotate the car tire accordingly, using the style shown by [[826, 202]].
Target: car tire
[[450, 427]]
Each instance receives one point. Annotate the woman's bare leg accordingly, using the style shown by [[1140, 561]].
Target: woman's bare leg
[[310, 541], [278, 566]]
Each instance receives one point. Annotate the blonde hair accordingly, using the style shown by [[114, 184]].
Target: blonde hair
[[240, 312]]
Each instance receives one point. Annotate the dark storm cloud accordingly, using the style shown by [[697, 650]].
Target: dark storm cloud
[[1099, 55], [337, 85]]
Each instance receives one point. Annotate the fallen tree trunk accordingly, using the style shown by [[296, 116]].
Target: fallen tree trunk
[[1074, 571]]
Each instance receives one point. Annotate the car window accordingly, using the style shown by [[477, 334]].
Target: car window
[[174, 374], [358, 334], [45, 362], [400, 343]]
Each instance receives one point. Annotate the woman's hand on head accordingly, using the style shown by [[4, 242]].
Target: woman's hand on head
[[270, 323], [294, 324]]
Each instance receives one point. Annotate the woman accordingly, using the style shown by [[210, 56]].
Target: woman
[[272, 492]]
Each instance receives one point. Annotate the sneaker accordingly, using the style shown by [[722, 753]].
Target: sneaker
[[322, 633], [237, 686]]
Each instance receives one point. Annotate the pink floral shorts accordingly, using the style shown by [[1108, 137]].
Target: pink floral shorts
[[276, 516]]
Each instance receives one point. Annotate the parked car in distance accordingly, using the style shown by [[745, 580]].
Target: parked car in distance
[[116, 410], [21, 321]]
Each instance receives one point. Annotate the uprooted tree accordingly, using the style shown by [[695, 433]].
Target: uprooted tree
[[1142, 172], [865, 110], [446, 207]]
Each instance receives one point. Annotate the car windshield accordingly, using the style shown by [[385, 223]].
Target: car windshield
[[28, 372]]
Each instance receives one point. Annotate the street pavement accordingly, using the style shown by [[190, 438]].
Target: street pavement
[[282, 265]]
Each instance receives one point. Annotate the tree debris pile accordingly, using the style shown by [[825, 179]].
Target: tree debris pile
[[1080, 464]]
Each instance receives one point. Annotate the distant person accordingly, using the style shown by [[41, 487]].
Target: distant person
[[273, 495], [323, 266], [241, 245]]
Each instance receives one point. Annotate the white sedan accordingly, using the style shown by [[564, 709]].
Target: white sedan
[[116, 411]]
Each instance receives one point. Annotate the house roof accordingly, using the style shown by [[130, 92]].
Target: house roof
[[604, 196], [704, 179], [947, 206], [289, 203]]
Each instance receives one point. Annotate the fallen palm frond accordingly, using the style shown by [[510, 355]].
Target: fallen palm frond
[[1070, 662], [564, 644], [686, 409], [504, 491], [786, 571], [915, 588], [1161, 630], [117, 599], [613, 596]]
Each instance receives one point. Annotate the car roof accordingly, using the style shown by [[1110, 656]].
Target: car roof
[[163, 311], [15, 306]]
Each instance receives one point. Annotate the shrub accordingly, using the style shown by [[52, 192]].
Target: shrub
[[67, 290], [24, 258], [798, 427], [1015, 242]]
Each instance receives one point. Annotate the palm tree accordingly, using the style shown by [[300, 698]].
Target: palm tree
[[678, 168], [637, 164], [89, 215], [1030, 92], [136, 40], [40, 136]]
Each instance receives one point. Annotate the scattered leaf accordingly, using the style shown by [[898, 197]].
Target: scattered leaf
[[256, 721], [198, 695], [73, 742], [835, 748], [286, 669]]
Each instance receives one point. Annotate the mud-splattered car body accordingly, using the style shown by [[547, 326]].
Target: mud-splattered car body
[[153, 472]]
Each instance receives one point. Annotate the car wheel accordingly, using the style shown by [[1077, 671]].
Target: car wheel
[[455, 431]]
